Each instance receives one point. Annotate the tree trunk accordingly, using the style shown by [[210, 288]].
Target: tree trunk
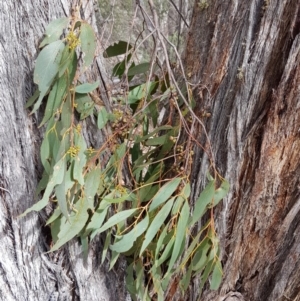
[[27, 272], [244, 57]]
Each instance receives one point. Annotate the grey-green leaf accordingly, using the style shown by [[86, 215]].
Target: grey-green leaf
[[61, 199], [102, 118], [127, 240], [180, 234], [221, 192], [71, 228], [117, 49], [156, 224], [116, 218], [66, 60], [88, 43], [46, 68], [97, 221], [55, 98], [56, 214], [113, 259], [160, 240], [91, 184], [160, 140], [164, 193], [204, 199], [79, 161], [186, 279], [86, 87], [56, 178], [106, 245], [200, 257], [32, 99], [216, 278], [140, 92], [54, 30], [166, 253], [138, 69]]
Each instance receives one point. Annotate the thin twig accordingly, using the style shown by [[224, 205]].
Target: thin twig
[[161, 38], [180, 14], [6, 191]]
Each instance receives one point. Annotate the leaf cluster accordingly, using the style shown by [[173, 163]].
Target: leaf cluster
[[150, 220]]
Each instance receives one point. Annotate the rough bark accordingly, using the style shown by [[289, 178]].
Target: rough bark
[[27, 272], [245, 56]]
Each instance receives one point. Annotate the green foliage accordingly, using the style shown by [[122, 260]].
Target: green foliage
[[88, 43], [151, 220], [119, 48]]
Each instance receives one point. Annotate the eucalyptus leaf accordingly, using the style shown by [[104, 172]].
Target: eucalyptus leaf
[[42, 184], [166, 253], [117, 49], [54, 30], [91, 184], [120, 67], [56, 214], [88, 44], [164, 193], [146, 296], [32, 99], [150, 135], [184, 195], [130, 281], [97, 221], [83, 102], [157, 283], [205, 198], [201, 257], [147, 192], [102, 118], [160, 140], [180, 234], [87, 112], [160, 240], [208, 269], [116, 218], [56, 226], [221, 192], [55, 179], [46, 68], [156, 224], [113, 259], [127, 240], [84, 246], [140, 92], [45, 152], [139, 270], [61, 199], [61, 192], [126, 196], [106, 245], [71, 228], [190, 250], [55, 98], [66, 60], [79, 160], [217, 274], [186, 279], [86, 87], [138, 69]]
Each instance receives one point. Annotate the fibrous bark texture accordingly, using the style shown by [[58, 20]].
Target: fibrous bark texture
[[244, 57], [27, 272]]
